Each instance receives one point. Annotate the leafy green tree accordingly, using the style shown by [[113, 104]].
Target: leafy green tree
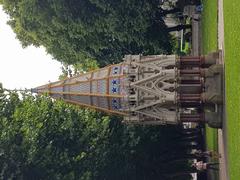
[[46, 139], [41, 138], [77, 68], [104, 30]]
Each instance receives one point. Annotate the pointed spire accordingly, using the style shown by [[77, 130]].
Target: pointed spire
[[102, 89]]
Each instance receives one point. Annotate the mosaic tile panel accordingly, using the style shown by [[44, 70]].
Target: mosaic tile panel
[[114, 86], [85, 87], [74, 88], [103, 102], [66, 96], [94, 101], [102, 86], [66, 88], [115, 104], [68, 81], [124, 103], [56, 83], [124, 69], [115, 70], [56, 96], [101, 73], [81, 87], [94, 87], [81, 77], [81, 99], [57, 89], [42, 90], [123, 85]]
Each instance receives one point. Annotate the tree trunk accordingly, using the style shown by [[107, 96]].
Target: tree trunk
[[179, 27]]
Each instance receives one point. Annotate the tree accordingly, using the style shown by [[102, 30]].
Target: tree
[[77, 68], [46, 139], [41, 138], [104, 30]]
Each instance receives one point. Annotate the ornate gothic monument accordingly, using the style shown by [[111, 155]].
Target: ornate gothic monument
[[158, 89]]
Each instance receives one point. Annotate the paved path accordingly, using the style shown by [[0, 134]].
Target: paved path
[[222, 143]]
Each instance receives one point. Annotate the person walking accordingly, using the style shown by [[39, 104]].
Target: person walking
[[201, 154], [202, 166]]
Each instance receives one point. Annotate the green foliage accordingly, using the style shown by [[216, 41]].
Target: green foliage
[[41, 138], [104, 30], [78, 68]]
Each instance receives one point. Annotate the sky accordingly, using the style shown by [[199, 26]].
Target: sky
[[23, 68]]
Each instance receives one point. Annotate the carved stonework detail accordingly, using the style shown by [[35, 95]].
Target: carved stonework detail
[[156, 89], [152, 86]]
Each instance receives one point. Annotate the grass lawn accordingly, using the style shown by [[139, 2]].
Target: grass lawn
[[232, 67], [209, 44], [209, 26]]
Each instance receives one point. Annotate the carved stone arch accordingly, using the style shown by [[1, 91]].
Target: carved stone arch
[[165, 63], [162, 85], [159, 113]]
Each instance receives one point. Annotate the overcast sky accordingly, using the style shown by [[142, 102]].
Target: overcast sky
[[23, 68]]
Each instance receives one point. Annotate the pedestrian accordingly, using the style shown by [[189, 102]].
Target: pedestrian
[[211, 154], [202, 166]]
